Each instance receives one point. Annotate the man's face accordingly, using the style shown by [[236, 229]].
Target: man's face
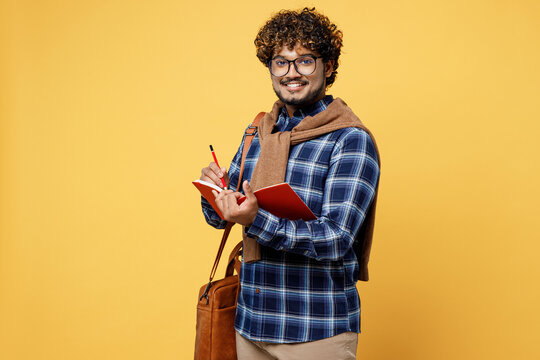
[[296, 89]]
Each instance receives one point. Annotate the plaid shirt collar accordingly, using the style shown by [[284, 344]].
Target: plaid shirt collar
[[286, 123]]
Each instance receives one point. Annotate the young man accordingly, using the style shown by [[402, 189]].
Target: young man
[[298, 279]]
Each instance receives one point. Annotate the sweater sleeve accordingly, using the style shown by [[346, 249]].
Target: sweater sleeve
[[348, 192]]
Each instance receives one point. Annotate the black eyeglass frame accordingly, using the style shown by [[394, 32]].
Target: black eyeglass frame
[[294, 64]]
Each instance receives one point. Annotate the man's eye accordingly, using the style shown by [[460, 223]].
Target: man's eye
[[280, 62], [306, 61]]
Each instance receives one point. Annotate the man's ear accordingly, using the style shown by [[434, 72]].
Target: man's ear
[[328, 68]]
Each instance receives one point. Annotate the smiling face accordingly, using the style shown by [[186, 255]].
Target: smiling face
[[296, 90]]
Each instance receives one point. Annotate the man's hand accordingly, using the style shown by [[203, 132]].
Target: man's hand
[[213, 174], [227, 202]]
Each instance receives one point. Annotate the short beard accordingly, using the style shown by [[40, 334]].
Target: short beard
[[307, 100]]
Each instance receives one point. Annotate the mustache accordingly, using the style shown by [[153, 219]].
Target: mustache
[[285, 82]]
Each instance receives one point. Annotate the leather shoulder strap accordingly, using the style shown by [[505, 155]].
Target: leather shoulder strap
[[250, 133]]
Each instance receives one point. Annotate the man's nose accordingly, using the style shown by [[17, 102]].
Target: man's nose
[[292, 72]]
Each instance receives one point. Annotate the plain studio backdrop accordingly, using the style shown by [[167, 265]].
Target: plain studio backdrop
[[107, 109]]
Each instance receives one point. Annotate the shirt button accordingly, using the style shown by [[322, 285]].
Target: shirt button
[[257, 291]]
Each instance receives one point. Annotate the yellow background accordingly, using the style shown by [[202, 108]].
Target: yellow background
[[107, 110]]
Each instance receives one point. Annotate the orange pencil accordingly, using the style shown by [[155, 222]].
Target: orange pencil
[[215, 159]]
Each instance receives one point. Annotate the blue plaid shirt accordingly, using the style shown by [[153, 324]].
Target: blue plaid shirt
[[304, 287]]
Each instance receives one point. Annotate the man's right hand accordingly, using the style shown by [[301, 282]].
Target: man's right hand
[[213, 174]]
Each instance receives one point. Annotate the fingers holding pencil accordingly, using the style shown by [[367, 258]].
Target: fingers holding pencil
[[214, 174]]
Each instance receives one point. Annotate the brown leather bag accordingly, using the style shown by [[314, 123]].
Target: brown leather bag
[[215, 337]]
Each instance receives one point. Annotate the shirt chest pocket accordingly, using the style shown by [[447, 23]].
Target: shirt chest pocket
[[307, 170]]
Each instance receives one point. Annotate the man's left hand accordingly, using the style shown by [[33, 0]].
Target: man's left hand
[[227, 202]]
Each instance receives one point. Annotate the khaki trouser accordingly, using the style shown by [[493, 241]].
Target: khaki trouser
[[339, 347]]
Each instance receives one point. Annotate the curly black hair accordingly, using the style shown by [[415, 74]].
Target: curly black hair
[[308, 27]]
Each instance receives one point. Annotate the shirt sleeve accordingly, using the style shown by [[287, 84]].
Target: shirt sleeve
[[349, 190], [209, 213]]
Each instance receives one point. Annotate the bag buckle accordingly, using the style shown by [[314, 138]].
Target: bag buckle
[[251, 127], [205, 293]]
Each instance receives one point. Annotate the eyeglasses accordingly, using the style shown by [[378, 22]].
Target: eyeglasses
[[304, 65]]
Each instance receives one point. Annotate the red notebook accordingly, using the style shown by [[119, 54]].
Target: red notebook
[[280, 200]]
